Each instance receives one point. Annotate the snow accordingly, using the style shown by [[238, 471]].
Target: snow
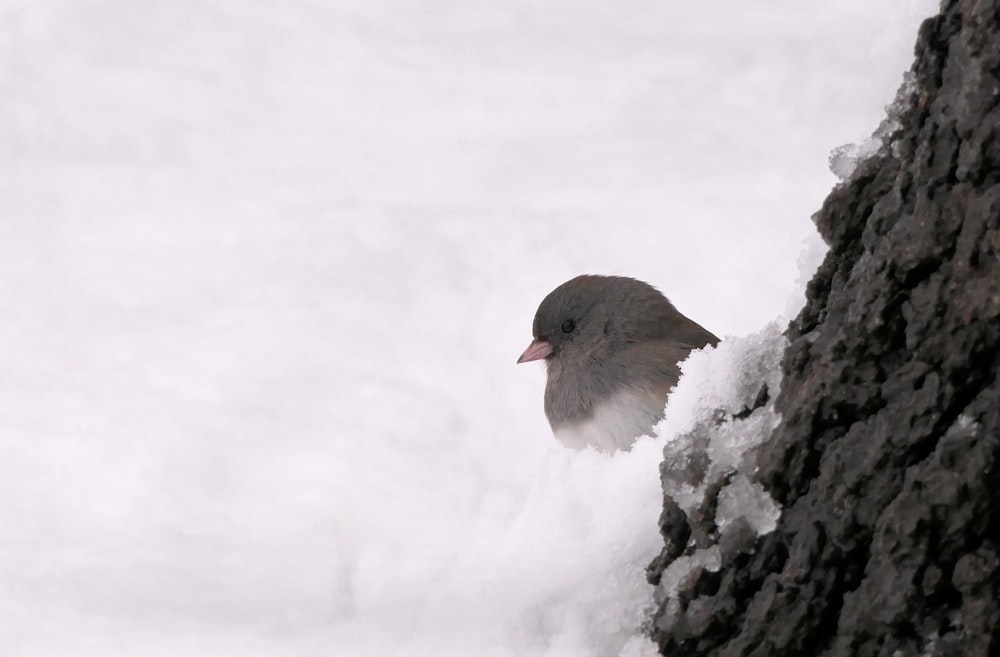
[[747, 500], [722, 408], [708, 429], [266, 268], [844, 160]]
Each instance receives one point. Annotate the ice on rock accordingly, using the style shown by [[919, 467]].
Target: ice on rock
[[964, 423], [679, 570], [746, 499], [844, 160], [721, 410]]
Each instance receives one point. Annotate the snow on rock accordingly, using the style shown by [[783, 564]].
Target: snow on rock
[[721, 410], [844, 160]]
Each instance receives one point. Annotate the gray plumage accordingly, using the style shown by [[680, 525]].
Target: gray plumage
[[611, 346]]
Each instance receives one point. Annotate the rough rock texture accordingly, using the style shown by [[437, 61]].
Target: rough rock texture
[[886, 458]]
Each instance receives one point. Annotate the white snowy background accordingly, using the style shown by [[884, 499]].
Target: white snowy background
[[265, 268]]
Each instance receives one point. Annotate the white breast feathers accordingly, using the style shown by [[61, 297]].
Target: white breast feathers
[[615, 424]]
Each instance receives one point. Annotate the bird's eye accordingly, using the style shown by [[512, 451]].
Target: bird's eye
[[568, 326]]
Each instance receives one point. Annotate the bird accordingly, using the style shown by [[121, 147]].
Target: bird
[[612, 347]]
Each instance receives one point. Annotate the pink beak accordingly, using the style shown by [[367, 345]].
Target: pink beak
[[537, 350]]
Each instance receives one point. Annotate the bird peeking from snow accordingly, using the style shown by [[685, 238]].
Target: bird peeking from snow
[[611, 347]]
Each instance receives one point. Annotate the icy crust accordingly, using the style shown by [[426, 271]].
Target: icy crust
[[844, 160], [722, 409]]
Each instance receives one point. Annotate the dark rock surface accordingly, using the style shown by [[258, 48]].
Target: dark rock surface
[[886, 458]]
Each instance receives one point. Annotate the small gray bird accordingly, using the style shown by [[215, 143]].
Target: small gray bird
[[611, 346]]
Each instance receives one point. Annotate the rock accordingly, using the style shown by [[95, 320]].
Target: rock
[[885, 462]]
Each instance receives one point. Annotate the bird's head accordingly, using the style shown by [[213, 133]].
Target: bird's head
[[590, 317]]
